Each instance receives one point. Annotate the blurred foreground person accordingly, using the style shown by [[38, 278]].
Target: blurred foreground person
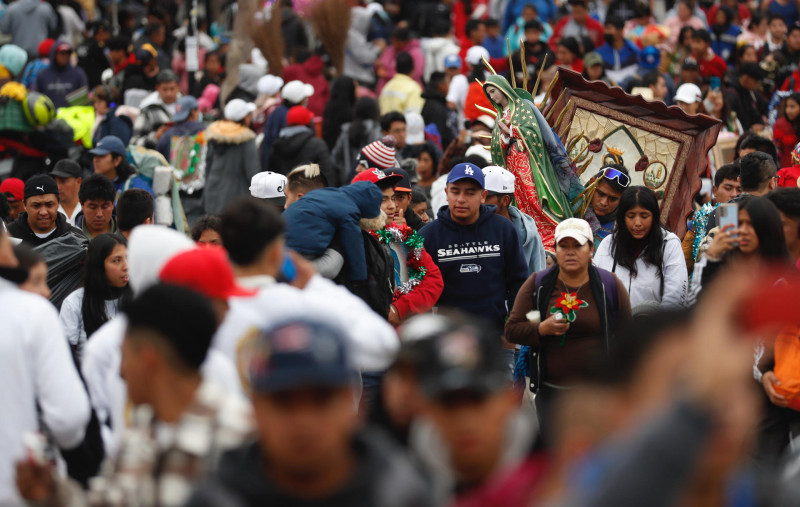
[[472, 428], [651, 424], [150, 249], [42, 387], [310, 450], [168, 335]]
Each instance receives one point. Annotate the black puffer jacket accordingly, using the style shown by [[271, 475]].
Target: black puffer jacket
[[383, 477], [20, 229], [297, 145]]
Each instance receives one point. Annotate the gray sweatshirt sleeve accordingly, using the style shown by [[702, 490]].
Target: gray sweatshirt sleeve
[[653, 467]]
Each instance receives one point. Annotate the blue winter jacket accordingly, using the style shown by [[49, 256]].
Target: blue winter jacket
[[482, 264], [314, 220], [272, 129], [113, 125]]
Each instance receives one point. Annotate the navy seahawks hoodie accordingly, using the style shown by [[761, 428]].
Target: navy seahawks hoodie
[[482, 264]]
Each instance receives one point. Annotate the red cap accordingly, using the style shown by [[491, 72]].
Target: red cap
[[15, 187], [205, 270], [374, 175], [45, 46], [299, 115], [63, 46]]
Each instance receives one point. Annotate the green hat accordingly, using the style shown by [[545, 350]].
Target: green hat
[[592, 58]]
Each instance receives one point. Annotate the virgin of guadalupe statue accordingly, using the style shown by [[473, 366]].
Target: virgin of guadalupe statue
[[524, 143]]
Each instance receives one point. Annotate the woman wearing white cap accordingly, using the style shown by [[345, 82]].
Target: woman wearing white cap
[[566, 316], [688, 97]]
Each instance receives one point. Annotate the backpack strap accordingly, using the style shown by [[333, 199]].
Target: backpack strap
[[531, 358]]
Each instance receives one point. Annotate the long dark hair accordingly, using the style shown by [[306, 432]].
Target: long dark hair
[[796, 122], [366, 109], [96, 290], [339, 109], [623, 248], [767, 223]]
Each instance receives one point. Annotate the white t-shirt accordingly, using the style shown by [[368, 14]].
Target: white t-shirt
[[70, 218]]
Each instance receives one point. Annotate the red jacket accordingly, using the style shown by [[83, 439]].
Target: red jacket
[[425, 295], [785, 137], [310, 72], [593, 28], [789, 177], [475, 97], [714, 67]]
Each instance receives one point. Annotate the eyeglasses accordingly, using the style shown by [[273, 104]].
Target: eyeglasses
[[611, 174]]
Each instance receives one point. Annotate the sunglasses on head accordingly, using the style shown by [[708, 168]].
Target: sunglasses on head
[[611, 174]]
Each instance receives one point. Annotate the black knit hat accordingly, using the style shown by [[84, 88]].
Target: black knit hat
[[181, 317], [40, 184]]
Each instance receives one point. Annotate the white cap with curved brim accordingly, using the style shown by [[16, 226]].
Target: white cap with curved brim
[[688, 93], [574, 228]]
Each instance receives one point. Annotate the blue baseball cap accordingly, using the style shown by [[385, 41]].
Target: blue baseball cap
[[466, 171], [184, 107], [297, 353], [649, 58], [109, 144], [452, 61]]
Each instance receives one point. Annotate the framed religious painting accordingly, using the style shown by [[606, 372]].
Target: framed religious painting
[[724, 152], [663, 148]]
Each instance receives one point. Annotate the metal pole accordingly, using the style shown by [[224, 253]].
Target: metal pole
[[115, 17], [192, 55]]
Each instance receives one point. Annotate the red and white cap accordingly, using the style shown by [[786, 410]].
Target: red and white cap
[[381, 154]]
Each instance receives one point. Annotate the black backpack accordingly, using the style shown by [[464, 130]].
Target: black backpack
[[378, 289]]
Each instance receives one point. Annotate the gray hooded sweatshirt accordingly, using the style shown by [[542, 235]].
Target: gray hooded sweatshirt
[[28, 22]]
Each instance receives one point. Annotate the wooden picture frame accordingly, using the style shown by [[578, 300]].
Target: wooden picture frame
[[662, 147], [724, 151]]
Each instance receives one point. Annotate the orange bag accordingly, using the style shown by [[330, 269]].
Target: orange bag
[[787, 364]]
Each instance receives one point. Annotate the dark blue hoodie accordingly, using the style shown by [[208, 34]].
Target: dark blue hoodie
[[482, 264], [318, 216], [58, 82]]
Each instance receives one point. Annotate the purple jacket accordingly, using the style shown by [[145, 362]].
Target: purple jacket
[[57, 82], [388, 58]]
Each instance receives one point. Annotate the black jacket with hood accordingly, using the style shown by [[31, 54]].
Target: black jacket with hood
[[382, 477], [297, 145], [20, 229]]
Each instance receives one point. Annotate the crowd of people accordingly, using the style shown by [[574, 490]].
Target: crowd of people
[[318, 286]]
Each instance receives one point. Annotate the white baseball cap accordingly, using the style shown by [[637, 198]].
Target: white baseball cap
[[296, 91], [576, 228], [480, 151], [485, 120], [237, 109], [475, 53], [415, 128], [269, 85], [498, 180], [269, 185], [688, 93]]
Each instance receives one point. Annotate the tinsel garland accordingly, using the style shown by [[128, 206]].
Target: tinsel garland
[[700, 224], [405, 235]]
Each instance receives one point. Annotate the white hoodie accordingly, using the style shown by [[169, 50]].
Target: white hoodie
[[150, 247], [647, 285], [41, 386], [373, 342]]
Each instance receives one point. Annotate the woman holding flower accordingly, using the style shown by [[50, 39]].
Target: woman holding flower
[[566, 316]]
